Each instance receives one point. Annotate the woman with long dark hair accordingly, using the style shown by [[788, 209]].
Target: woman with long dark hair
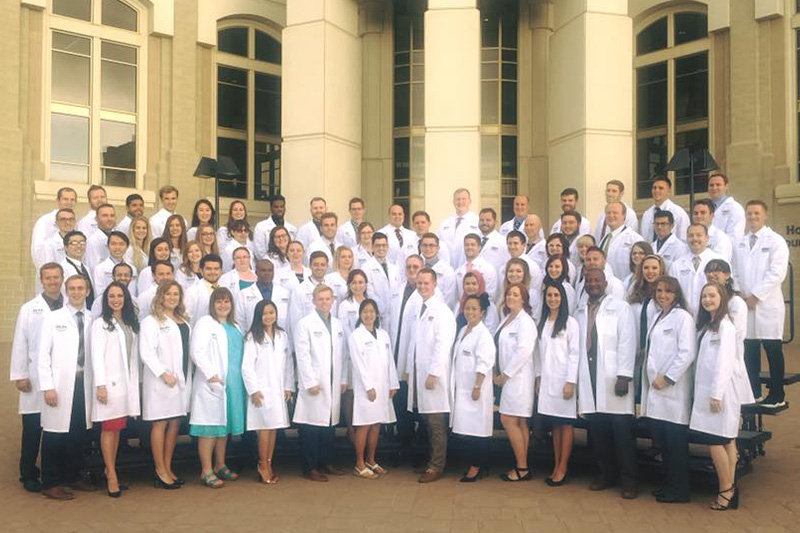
[[268, 373], [278, 246], [557, 271], [558, 356], [236, 211], [203, 213], [639, 250], [175, 235], [159, 251], [115, 373]]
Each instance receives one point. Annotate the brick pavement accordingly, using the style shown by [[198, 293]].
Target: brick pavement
[[398, 503]]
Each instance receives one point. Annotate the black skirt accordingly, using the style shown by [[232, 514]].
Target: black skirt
[[700, 437]]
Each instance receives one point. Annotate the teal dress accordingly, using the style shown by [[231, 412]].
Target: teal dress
[[244, 284], [235, 394]]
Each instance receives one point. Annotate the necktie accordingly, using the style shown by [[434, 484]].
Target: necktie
[[529, 247], [333, 249], [409, 290], [214, 286], [385, 270], [355, 228], [517, 223], [483, 241], [81, 349], [696, 262], [605, 242], [399, 235], [753, 240], [422, 309], [458, 221]]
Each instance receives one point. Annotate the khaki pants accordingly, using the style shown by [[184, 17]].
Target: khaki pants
[[437, 440]]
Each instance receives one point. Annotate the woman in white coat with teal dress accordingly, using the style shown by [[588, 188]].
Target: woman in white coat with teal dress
[[268, 373], [515, 340], [667, 383], [166, 377], [374, 385], [115, 373], [716, 408], [472, 397], [556, 361]]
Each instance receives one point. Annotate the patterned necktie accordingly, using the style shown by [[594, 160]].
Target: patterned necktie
[[399, 235], [333, 249], [696, 262], [81, 349], [605, 242], [753, 240], [484, 239]]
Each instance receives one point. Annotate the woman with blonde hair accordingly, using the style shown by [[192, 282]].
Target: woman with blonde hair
[[342, 266], [189, 273], [206, 237], [139, 235], [641, 299]]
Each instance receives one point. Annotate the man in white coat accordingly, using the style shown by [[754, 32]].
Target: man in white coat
[[169, 202], [134, 205], [536, 245], [319, 344], [605, 375], [421, 221], [97, 244], [326, 242], [46, 225], [117, 246], [595, 258], [52, 251], [74, 248], [262, 289], [428, 370], [309, 232], [515, 244], [301, 301], [666, 244], [453, 229], [729, 215], [661, 190], [277, 208], [493, 245], [614, 191], [383, 276], [689, 270], [445, 275], [760, 263], [347, 234], [520, 208], [618, 239], [569, 203], [402, 241], [163, 272], [475, 263], [198, 295], [64, 352], [24, 368], [718, 240], [96, 195]]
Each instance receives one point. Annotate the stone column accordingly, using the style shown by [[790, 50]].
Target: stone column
[[452, 103], [321, 105], [590, 101]]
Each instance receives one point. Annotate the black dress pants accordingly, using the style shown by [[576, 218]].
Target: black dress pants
[[62, 453], [777, 367], [476, 450], [316, 446], [674, 441], [29, 449], [614, 446]]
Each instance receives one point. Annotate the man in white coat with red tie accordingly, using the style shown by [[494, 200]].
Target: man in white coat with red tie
[[65, 381], [428, 370], [319, 344]]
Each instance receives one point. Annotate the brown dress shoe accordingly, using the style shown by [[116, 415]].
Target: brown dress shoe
[[83, 486], [315, 475], [332, 470], [430, 476], [57, 493], [599, 484]]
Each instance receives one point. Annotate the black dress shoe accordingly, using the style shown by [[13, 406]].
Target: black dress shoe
[[553, 483], [32, 485], [466, 479], [179, 481]]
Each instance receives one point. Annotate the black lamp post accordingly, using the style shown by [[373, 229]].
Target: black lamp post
[[216, 169], [694, 160]]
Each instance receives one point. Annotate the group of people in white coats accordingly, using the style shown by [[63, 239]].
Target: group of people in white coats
[[397, 326]]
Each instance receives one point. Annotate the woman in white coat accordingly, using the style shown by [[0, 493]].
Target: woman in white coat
[[242, 275], [667, 382], [159, 250], [374, 385], [167, 377], [268, 373], [557, 272], [342, 267], [115, 373], [472, 396], [515, 340], [473, 284], [556, 361], [347, 313], [715, 412], [217, 409]]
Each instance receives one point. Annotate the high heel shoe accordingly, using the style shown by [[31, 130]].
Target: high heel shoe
[[161, 484], [730, 503], [116, 494], [467, 479], [553, 483]]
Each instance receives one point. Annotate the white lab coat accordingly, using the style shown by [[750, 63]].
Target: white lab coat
[[301, 304], [451, 235], [307, 233], [691, 280], [446, 282], [103, 277], [631, 222], [51, 251], [516, 346], [730, 218], [672, 250], [760, 272], [319, 356], [44, 228], [209, 351], [227, 254], [196, 301], [619, 251], [230, 280], [144, 302], [672, 349], [346, 234], [335, 281], [719, 241], [161, 350], [25, 352], [556, 363], [96, 250], [380, 286], [429, 354], [144, 280], [58, 364], [248, 298], [268, 367], [716, 361], [286, 277], [486, 269], [473, 353], [261, 235], [538, 253], [158, 222], [536, 297], [373, 367], [495, 251], [400, 327], [398, 254], [616, 356], [88, 224], [324, 246], [583, 228], [116, 369], [681, 220], [737, 311]]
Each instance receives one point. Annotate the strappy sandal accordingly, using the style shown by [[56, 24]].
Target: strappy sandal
[[366, 473], [730, 503], [226, 474], [378, 469], [211, 481], [520, 477]]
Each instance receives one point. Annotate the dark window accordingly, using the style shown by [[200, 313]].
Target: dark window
[[695, 141], [691, 88], [232, 98], [267, 171], [119, 15], [267, 48], [268, 104], [233, 41], [651, 96], [651, 158], [652, 38], [690, 26], [77, 9], [236, 149]]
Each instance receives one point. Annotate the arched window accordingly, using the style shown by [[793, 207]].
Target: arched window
[[96, 92], [672, 94], [248, 58]]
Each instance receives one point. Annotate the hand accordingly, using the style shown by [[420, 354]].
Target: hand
[[569, 390], [659, 383], [476, 394], [392, 393], [343, 389], [287, 396], [257, 398], [371, 395], [536, 385], [715, 405], [751, 301], [169, 379], [216, 379], [51, 397], [500, 380], [24, 385], [313, 391], [621, 386], [430, 382], [102, 394]]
